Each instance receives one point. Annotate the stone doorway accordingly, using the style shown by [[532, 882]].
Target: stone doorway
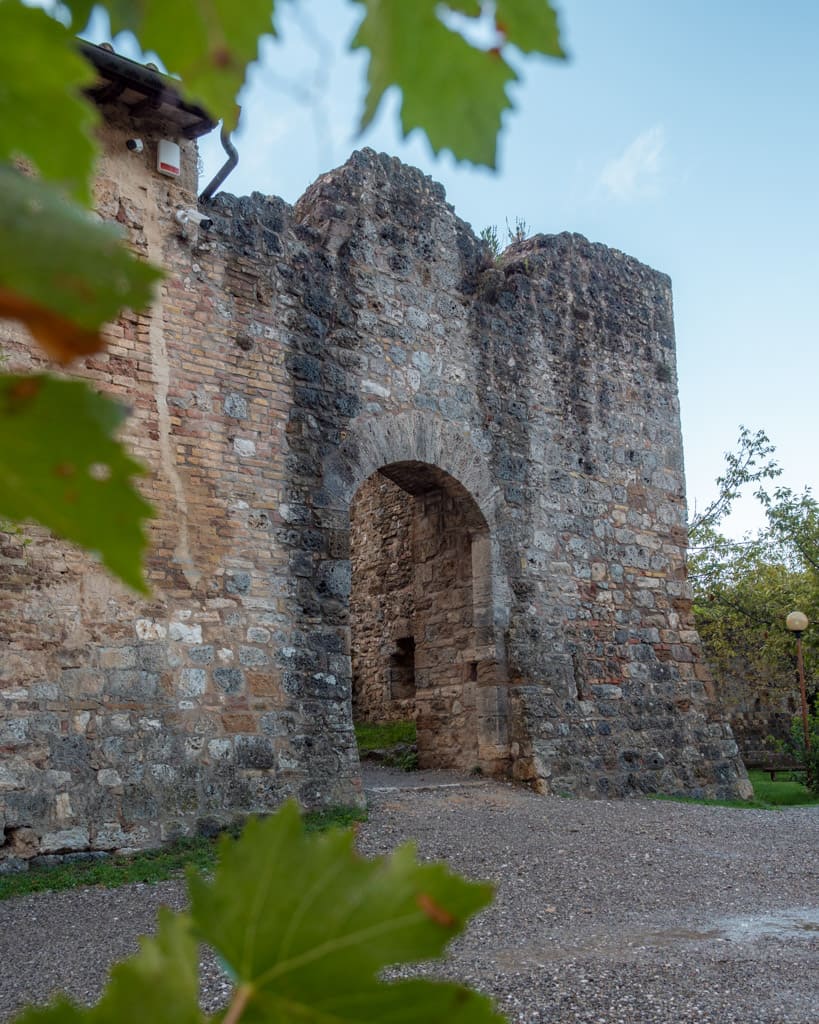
[[423, 643]]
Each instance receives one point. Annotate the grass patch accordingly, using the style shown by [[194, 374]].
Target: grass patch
[[148, 866], [380, 735], [768, 795], [395, 742], [783, 792], [119, 869], [333, 817]]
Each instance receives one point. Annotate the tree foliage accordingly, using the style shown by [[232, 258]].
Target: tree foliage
[[744, 589], [303, 927], [63, 276]]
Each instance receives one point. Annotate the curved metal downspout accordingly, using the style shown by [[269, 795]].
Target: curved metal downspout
[[233, 158]]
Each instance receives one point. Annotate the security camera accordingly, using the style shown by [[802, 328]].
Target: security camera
[[188, 216], [135, 145]]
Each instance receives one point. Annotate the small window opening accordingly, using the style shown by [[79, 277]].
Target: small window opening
[[402, 669]]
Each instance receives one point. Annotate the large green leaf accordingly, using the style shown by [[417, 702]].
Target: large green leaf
[[60, 465], [62, 272], [209, 45], [304, 925], [454, 91], [43, 115]]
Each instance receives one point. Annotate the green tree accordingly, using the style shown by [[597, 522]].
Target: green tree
[[64, 276], [744, 589]]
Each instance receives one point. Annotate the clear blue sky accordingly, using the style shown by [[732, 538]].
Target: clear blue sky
[[682, 133]]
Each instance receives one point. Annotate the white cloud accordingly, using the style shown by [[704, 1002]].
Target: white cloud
[[635, 174]]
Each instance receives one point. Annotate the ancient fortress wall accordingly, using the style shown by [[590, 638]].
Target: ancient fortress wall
[[517, 580]]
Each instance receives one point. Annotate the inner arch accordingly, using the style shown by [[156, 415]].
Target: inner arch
[[421, 616]]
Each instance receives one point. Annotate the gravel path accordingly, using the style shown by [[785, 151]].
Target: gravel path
[[607, 912]]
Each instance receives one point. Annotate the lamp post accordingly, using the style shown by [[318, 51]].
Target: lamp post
[[797, 623]]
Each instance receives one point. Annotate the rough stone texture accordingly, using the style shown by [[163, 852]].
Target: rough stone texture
[[292, 353]]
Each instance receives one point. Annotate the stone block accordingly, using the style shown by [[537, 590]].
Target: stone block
[[192, 682], [237, 583], [229, 680], [185, 632], [65, 840], [252, 657], [117, 657], [254, 752]]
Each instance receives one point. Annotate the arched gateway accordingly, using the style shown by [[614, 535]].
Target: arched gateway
[[429, 598], [423, 639]]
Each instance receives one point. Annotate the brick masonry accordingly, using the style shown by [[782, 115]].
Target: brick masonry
[[522, 412]]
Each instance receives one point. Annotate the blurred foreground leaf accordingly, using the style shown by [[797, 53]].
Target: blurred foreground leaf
[[62, 273], [60, 465], [43, 115], [303, 926], [452, 90]]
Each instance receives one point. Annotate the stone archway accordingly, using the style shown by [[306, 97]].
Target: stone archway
[[422, 638], [433, 467]]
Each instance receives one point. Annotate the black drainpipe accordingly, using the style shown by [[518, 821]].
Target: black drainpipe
[[233, 159]]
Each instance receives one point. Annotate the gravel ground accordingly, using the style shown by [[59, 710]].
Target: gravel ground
[[607, 912]]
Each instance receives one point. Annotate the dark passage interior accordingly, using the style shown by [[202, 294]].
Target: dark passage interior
[[420, 616]]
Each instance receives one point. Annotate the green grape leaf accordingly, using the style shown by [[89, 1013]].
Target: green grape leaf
[[61, 1011], [44, 117], [453, 91], [531, 25], [209, 45], [62, 272], [305, 925], [60, 465]]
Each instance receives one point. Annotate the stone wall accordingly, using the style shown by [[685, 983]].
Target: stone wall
[[759, 707], [291, 353], [382, 603]]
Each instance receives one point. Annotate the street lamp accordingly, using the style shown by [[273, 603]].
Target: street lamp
[[797, 623]]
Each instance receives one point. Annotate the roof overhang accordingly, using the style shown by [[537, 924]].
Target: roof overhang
[[145, 91]]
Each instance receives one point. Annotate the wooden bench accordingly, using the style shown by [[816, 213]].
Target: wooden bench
[[774, 765]]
